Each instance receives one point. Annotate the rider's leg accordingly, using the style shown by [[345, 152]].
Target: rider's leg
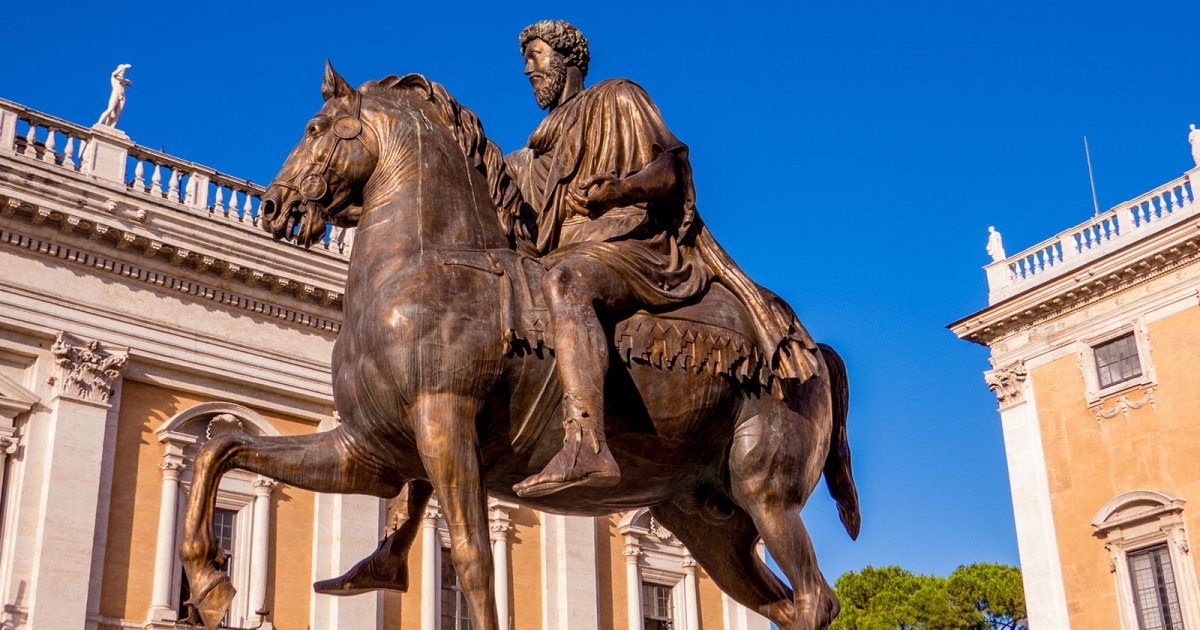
[[387, 567], [575, 289]]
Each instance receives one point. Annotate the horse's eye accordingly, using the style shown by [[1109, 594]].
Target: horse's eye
[[314, 129]]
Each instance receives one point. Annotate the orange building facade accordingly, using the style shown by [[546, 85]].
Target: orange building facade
[[1093, 336], [142, 311]]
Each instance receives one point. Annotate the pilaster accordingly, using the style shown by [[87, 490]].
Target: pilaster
[[69, 451], [570, 592]]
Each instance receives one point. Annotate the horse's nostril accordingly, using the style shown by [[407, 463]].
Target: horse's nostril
[[269, 207]]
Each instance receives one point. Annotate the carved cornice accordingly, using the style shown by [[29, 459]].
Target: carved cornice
[[86, 370], [1008, 383], [174, 283], [1137, 263]]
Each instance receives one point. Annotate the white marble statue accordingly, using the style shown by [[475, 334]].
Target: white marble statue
[[995, 246], [116, 101], [1194, 139]]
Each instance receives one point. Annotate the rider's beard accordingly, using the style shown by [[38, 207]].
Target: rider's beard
[[548, 86]]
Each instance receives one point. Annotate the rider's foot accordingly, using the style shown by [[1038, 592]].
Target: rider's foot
[[584, 461], [380, 570]]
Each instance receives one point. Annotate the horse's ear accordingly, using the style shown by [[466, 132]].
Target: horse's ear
[[334, 85]]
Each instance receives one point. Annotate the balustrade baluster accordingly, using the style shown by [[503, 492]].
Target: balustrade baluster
[[233, 203], [68, 157], [247, 207], [219, 202], [48, 155], [156, 181], [173, 185], [1180, 200], [189, 196], [139, 176], [31, 141]]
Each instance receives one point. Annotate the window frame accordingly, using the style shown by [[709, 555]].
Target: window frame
[[1094, 392], [1139, 520], [1159, 573]]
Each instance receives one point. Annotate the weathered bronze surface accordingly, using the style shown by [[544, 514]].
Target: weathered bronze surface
[[560, 321]]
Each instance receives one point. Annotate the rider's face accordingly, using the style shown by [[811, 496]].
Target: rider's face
[[547, 72]]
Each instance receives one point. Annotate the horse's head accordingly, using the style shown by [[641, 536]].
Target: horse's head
[[321, 182]]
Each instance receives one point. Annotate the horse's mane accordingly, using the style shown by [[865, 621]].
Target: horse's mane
[[482, 153]]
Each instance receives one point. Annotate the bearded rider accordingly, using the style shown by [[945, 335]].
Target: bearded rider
[[617, 226]]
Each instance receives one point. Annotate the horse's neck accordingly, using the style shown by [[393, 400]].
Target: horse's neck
[[428, 198]]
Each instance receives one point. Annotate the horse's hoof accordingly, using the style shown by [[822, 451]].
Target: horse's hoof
[[213, 603]]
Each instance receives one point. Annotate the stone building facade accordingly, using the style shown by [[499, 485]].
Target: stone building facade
[[1093, 336], [142, 311]]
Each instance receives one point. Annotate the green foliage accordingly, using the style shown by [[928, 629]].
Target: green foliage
[[976, 597]]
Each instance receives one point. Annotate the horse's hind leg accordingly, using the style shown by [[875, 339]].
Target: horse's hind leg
[[444, 424], [727, 552], [770, 478], [322, 462]]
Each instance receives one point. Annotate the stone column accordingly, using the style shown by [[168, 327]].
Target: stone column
[[570, 591], [633, 583], [66, 454], [260, 541], [692, 593], [1037, 543], [501, 525], [164, 548], [430, 584]]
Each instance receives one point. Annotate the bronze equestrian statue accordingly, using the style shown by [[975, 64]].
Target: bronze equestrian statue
[[559, 321]]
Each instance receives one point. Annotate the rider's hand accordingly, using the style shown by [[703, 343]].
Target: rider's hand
[[599, 193]]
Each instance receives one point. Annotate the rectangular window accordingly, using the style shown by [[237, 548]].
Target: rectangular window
[[224, 522], [1154, 589], [456, 614], [1117, 360], [657, 609]]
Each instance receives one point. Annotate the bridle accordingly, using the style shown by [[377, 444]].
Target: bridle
[[313, 185]]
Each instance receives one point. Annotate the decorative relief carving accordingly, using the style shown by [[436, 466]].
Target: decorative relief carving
[[9, 444], [1123, 405], [659, 531], [87, 371], [1008, 383], [223, 423]]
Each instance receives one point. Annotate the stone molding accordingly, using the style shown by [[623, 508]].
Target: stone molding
[[175, 283], [86, 370], [1135, 264], [1008, 383]]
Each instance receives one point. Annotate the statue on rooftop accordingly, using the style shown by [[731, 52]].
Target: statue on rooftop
[[116, 100], [1194, 139], [995, 245]]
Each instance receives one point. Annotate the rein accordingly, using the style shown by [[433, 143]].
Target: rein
[[313, 184]]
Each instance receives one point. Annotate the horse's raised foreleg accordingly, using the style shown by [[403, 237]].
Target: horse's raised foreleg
[[727, 553], [444, 424], [322, 462]]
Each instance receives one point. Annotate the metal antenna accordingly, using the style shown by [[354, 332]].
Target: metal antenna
[[1091, 178]]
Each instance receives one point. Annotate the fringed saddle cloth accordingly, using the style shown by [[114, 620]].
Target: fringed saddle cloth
[[711, 337]]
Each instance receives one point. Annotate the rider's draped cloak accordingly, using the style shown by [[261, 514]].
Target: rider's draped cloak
[[661, 248]]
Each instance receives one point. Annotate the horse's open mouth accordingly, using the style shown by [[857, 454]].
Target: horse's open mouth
[[300, 220]]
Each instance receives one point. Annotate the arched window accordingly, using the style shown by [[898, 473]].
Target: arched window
[[242, 517], [1150, 559]]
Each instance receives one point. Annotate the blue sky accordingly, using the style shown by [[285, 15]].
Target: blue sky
[[849, 155]]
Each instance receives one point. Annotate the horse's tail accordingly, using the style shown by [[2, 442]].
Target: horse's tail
[[838, 476]]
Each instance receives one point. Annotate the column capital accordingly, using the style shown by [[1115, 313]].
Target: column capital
[[500, 529], [87, 371], [689, 564], [9, 444], [172, 468], [632, 553], [263, 486], [430, 516], [1008, 383]]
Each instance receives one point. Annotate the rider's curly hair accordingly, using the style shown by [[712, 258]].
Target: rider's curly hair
[[563, 38]]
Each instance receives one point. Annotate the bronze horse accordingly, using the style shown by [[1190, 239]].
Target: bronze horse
[[431, 395]]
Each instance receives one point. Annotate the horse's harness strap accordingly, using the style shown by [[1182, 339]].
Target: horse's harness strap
[[313, 184]]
